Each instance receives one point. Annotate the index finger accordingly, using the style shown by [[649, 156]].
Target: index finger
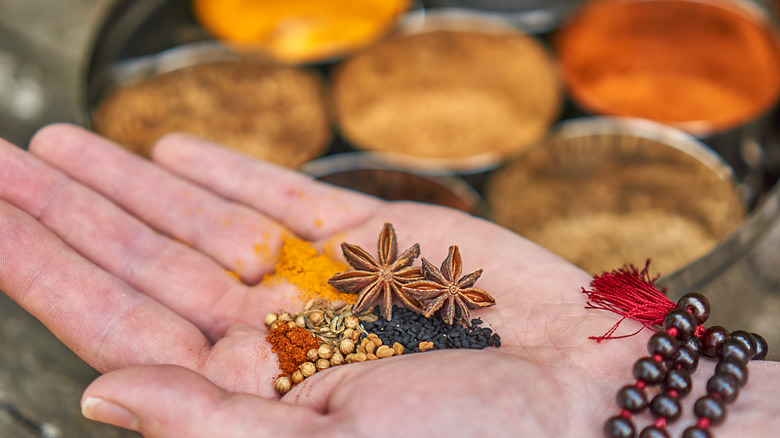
[[309, 208]]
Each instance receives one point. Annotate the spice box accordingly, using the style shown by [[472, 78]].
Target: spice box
[[381, 71]]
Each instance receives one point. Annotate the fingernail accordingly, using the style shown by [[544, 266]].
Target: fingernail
[[104, 411]]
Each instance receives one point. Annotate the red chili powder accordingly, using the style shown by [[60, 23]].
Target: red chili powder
[[291, 345], [701, 66]]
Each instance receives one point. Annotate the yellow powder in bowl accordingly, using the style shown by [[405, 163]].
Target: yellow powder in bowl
[[299, 30]]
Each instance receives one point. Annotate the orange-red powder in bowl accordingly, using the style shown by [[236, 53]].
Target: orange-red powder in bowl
[[700, 66]]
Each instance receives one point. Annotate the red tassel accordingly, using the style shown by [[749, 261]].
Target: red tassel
[[630, 293]]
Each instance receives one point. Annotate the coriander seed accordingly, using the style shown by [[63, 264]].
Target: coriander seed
[[351, 321], [282, 385], [285, 316], [297, 377], [325, 351], [322, 364], [337, 359], [270, 318], [346, 346], [316, 318], [312, 355], [308, 369]]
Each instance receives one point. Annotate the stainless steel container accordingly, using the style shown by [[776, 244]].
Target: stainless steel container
[[44, 49]]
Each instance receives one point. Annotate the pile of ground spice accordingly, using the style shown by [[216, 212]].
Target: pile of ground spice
[[301, 30], [291, 345], [300, 264], [605, 200], [271, 112], [410, 329], [447, 94], [671, 61]]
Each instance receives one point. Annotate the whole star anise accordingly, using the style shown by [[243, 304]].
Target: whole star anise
[[382, 279], [442, 289]]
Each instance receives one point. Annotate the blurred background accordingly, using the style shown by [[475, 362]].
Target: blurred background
[[608, 131]]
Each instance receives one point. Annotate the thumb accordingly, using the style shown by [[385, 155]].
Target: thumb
[[168, 401]]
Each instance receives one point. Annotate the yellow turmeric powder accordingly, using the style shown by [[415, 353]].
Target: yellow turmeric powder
[[299, 30], [300, 264]]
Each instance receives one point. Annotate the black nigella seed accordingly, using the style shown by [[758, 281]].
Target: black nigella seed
[[409, 329]]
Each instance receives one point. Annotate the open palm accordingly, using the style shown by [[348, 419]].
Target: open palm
[[129, 263]]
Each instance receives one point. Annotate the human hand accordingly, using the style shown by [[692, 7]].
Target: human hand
[[126, 261]]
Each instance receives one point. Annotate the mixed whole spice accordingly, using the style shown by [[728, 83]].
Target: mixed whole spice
[[434, 312]]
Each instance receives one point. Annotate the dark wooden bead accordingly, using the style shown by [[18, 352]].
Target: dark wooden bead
[[649, 371], [724, 385], [697, 305], [619, 427], [734, 348], [747, 339], [686, 358], [682, 321], [735, 367], [696, 432], [663, 344], [653, 432], [762, 348], [713, 337], [665, 406], [710, 408], [679, 380], [632, 399], [693, 343]]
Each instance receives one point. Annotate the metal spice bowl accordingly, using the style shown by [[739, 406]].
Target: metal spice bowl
[[454, 88], [265, 110], [380, 176], [604, 192], [532, 16]]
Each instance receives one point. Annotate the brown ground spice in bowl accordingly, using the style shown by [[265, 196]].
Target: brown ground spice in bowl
[[604, 200], [447, 94], [271, 112]]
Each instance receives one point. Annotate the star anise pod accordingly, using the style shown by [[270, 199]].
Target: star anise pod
[[380, 279], [442, 289]]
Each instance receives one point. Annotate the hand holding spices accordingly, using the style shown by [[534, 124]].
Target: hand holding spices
[[166, 297]]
